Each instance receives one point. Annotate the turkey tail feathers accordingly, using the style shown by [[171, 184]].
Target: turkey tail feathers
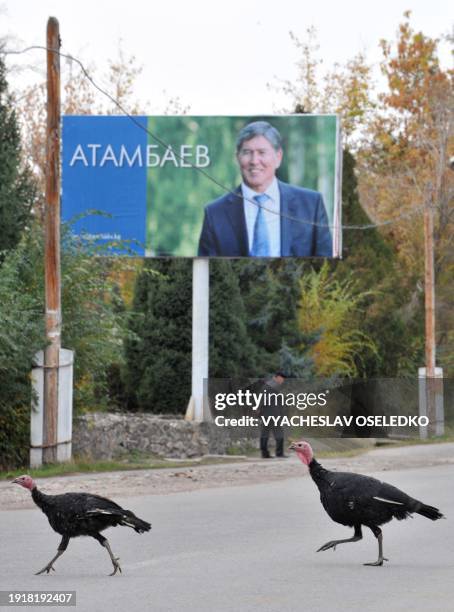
[[122, 517], [131, 520], [430, 512]]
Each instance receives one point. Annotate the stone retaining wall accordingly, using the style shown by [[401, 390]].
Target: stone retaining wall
[[105, 436]]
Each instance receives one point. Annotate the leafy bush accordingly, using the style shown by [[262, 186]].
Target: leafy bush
[[93, 327], [21, 336], [332, 308], [94, 321]]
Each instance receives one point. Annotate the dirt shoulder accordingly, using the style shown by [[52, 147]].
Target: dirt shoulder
[[247, 472]]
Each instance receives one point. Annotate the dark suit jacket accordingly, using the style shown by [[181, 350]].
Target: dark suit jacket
[[224, 231]]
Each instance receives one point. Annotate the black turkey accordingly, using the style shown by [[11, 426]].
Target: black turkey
[[81, 514], [355, 500]]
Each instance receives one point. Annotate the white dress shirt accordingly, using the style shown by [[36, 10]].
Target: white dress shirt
[[272, 210]]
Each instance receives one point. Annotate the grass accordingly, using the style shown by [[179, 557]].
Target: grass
[[351, 452], [248, 450], [447, 437]]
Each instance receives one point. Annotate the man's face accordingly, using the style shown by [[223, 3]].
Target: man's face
[[258, 161]]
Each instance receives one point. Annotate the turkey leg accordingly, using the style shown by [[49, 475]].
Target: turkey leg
[[104, 542], [333, 543], [61, 549], [378, 534]]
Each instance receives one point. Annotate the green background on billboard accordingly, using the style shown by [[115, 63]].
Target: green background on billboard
[[176, 197]]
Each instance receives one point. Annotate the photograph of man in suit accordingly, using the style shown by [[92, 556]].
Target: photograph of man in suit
[[265, 217]]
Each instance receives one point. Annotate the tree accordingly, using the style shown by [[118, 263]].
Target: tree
[[393, 310], [93, 327], [333, 309], [94, 322], [232, 353], [79, 97], [158, 353], [403, 168], [400, 137], [21, 336], [343, 89], [17, 188], [270, 293]]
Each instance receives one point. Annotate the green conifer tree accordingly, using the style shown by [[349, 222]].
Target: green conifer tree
[[17, 190], [232, 353], [158, 351], [270, 292], [159, 347]]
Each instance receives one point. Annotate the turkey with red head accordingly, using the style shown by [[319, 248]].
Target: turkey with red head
[[355, 500], [81, 514]]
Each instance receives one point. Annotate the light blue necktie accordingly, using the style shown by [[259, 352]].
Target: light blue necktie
[[261, 242]]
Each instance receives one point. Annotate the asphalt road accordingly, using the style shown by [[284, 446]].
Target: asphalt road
[[247, 548]]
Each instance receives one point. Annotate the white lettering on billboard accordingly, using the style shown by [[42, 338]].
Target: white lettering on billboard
[[97, 155]]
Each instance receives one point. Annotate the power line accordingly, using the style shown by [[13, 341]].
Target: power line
[[162, 143]]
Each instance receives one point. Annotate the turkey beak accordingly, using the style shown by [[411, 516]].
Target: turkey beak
[[15, 481], [292, 446]]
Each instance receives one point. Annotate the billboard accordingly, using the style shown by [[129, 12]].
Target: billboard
[[191, 186]]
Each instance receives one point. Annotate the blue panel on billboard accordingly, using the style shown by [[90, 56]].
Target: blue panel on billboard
[[104, 170]]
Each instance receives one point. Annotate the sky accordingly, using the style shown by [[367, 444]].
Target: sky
[[216, 57]]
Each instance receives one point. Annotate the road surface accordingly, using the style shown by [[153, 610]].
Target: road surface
[[246, 549]]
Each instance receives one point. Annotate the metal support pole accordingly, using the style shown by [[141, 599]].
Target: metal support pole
[[200, 336], [52, 245]]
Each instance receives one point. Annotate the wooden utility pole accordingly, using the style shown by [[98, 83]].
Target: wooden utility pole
[[52, 245], [429, 283]]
